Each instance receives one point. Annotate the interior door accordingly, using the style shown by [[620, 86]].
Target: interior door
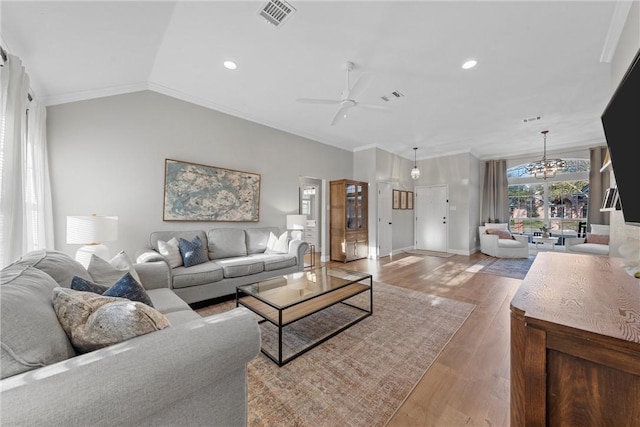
[[431, 210], [385, 229]]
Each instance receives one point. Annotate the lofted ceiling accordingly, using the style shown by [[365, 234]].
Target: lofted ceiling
[[544, 59]]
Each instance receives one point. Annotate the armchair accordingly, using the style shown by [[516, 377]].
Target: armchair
[[515, 246], [595, 243]]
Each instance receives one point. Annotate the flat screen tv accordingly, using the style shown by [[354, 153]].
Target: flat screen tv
[[621, 124]]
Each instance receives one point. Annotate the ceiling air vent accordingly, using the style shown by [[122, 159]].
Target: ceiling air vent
[[391, 96], [532, 119], [276, 12]]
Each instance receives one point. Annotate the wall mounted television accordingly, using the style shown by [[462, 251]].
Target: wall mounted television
[[621, 124]]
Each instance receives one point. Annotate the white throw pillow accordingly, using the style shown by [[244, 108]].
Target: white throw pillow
[[277, 245], [600, 229], [171, 251], [500, 226], [107, 272]]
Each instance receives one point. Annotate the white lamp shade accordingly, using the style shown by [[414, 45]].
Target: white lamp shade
[[296, 222], [82, 230]]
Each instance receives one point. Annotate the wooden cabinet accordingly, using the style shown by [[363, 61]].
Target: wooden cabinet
[[575, 343], [349, 233]]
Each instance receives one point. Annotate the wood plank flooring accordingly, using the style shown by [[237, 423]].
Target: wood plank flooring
[[468, 384]]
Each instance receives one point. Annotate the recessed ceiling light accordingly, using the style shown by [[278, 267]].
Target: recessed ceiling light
[[230, 65], [469, 64]]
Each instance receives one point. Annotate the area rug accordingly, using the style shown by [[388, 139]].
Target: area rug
[[361, 376], [428, 253], [516, 268]]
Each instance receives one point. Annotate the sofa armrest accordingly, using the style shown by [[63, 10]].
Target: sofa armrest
[[571, 241], [522, 238], [149, 255], [298, 248], [151, 379], [154, 275]]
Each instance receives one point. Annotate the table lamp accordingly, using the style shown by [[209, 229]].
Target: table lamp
[[296, 223], [91, 231]]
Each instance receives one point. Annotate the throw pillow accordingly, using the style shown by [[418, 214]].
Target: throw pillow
[[277, 245], [106, 272], [125, 287], [92, 321], [193, 253], [601, 239], [502, 234], [171, 251]]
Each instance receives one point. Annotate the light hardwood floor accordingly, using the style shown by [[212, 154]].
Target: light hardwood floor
[[468, 384]]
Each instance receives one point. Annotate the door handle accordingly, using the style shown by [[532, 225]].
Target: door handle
[[390, 223]]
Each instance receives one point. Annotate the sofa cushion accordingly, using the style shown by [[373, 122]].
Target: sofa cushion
[[511, 243], [93, 321], [60, 266], [226, 243], [166, 301], [30, 334], [171, 251], [193, 252], [125, 287], [276, 261], [590, 248], [105, 272], [200, 274], [240, 266], [257, 238]]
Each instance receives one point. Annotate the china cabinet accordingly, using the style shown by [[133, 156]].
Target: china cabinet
[[349, 233]]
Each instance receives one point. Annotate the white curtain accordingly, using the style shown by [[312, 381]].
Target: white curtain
[[26, 215]]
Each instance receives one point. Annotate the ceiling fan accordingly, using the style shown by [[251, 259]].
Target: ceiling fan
[[347, 96]]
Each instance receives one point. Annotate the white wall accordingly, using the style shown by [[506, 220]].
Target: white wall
[[107, 157]]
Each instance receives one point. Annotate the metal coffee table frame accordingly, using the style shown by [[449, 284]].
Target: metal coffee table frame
[[283, 314]]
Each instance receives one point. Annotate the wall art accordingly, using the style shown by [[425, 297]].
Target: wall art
[[195, 192]]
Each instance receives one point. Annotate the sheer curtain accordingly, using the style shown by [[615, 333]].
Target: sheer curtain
[[495, 195], [26, 215]]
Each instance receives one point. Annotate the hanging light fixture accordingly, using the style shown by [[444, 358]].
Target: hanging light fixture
[[545, 168], [415, 172]]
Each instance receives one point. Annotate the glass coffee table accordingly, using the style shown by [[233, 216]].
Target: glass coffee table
[[286, 300]]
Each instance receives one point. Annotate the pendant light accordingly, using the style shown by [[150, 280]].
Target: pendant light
[[545, 168], [415, 172]]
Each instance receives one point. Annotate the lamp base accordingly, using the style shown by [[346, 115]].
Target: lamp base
[[83, 255]]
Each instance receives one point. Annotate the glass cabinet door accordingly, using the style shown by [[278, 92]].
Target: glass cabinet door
[[351, 210]]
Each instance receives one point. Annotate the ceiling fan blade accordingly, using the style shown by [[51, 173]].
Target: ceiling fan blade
[[339, 115], [318, 101], [360, 85], [373, 107]]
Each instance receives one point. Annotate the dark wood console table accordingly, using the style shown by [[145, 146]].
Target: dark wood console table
[[575, 343]]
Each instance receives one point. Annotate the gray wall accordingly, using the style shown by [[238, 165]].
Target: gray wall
[[107, 157]]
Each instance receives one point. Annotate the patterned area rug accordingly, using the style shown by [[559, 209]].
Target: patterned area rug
[[515, 268], [361, 376]]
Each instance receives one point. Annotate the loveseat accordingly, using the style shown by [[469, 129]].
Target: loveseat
[[190, 372], [230, 257], [497, 241], [594, 243]]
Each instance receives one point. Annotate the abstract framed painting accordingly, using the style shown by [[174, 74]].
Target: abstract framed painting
[[396, 199], [195, 192]]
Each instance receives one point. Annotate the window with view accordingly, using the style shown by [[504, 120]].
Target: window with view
[[560, 204]]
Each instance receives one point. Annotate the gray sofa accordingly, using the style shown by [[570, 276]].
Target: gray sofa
[[190, 373], [236, 256]]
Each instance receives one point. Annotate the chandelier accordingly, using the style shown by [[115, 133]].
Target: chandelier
[[545, 168], [415, 172]]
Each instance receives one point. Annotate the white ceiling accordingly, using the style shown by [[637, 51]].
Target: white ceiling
[[538, 58]]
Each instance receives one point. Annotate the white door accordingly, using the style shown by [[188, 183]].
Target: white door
[[431, 210], [385, 229]]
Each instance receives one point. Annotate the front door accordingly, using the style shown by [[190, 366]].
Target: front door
[[431, 209]]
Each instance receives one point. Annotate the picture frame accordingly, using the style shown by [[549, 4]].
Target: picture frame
[[196, 192], [403, 200], [396, 199], [611, 200], [409, 199]]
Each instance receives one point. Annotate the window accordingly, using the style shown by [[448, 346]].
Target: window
[[560, 203]]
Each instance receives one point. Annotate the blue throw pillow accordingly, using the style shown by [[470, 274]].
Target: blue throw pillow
[[125, 287], [193, 253]]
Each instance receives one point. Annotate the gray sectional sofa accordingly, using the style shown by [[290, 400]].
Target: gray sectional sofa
[[236, 256], [193, 372]]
